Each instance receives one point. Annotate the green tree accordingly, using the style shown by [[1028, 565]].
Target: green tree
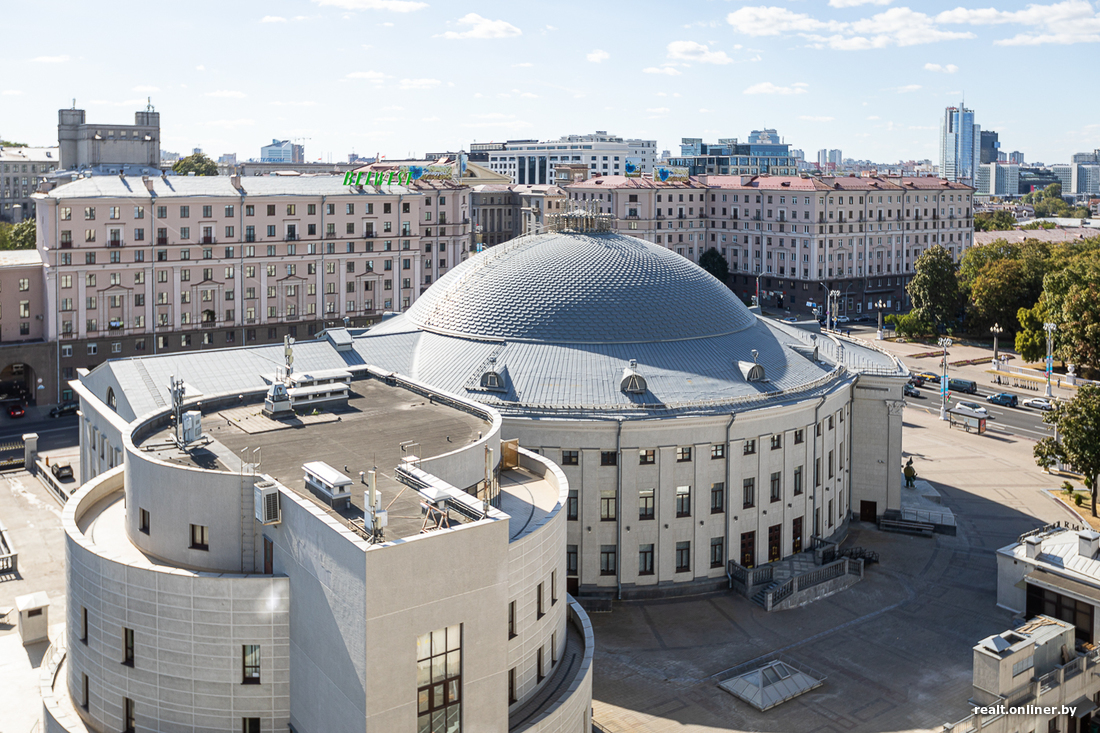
[[934, 288], [998, 221], [23, 235], [10, 144], [198, 164], [715, 264], [999, 291], [1031, 341], [1078, 424]]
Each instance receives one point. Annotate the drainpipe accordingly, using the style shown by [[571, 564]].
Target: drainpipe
[[817, 473], [57, 296], [725, 499], [619, 506], [320, 296]]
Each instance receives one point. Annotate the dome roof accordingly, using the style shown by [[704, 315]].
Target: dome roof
[[563, 287]]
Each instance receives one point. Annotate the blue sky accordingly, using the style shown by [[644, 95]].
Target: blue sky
[[397, 76]]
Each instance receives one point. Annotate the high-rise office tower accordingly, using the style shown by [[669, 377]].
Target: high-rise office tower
[[960, 145], [990, 146]]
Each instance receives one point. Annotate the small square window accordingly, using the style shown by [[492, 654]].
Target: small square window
[[777, 441], [570, 458], [683, 454], [717, 452], [750, 447], [647, 457], [609, 458], [200, 538]]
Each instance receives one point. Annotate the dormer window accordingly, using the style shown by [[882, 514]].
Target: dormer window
[[632, 382], [491, 380]]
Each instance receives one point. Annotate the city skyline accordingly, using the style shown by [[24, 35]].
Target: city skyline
[[384, 87]]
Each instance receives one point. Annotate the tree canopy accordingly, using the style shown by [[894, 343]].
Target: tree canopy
[[715, 264], [934, 288], [1078, 424], [197, 163], [10, 144], [996, 221], [19, 236]]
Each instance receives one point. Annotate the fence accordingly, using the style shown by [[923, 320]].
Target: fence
[[9, 558], [925, 515], [11, 455]]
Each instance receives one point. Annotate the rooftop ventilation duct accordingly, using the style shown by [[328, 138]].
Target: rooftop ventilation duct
[[1088, 542], [632, 382], [751, 370]]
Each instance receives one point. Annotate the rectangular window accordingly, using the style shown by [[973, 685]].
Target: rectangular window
[[540, 601], [143, 520], [798, 437], [250, 725], [817, 472], [645, 504], [129, 718], [748, 494], [569, 458], [607, 559], [609, 458], [777, 442], [797, 480], [200, 539], [84, 624], [250, 659], [776, 486], [832, 470], [683, 557], [512, 699], [717, 452], [717, 552], [645, 560], [571, 561], [571, 507], [647, 457], [683, 501], [83, 690], [717, 497], [128, 647], [512, 620], [749, 448], [439, 680], [683, 455], [607, 505]]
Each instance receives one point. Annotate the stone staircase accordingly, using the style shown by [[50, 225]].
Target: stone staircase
[[758, 597]]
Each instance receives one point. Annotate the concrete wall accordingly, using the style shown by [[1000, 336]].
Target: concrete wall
[[572, 713], [538, 557], [188, 631], [1010, 573], [876, 441]]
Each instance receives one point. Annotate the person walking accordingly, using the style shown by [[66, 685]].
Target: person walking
[[910, 474]]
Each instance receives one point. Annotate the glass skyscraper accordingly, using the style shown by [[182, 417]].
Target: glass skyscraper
[[960, 145]]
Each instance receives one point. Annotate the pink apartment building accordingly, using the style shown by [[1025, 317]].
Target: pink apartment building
[[145, 265]]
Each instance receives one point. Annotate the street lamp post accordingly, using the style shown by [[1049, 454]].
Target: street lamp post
[[944, 343], [834, 305], [880, 305], [1050, 328], [996, 331]]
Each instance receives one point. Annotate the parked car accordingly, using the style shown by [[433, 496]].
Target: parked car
[[911, 391], [1039, 403], [971, 408], [62, 471], [65, 408], [843, 319], [16, 410], [790, 319], [962, 385], [1004, 398]]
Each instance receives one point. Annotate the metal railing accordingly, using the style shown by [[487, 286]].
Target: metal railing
[[822, 574], [930, 517]]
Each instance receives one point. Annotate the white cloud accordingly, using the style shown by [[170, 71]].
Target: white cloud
[[666, 70], [808, 118], [894, 27], [226, 94], [273, 19], [145, 89], [10, 93], [907, 88], [703, 110], [598, 55], [376, 76], [854, 3], [483, 28], [766, 87], [696, 52], [230, 124], [51, 59], [200, 67], [419, 83], [948, 69], [1063, 23], [395, 6]]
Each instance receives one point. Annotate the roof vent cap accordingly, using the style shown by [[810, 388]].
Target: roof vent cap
[[632, 382]]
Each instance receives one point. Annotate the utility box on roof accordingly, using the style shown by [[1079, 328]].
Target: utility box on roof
[[33, 617]]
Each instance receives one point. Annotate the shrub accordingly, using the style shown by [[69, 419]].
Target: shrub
[[1079, 499]]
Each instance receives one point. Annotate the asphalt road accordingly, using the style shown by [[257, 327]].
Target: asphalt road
[[53, 433], [1027, 422]]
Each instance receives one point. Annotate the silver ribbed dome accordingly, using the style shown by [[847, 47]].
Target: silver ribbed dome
[[563, 287]]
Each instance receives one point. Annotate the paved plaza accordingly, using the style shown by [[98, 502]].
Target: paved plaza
[[896, 647]]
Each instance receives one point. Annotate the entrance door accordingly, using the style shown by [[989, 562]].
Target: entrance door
[[572, 585], [748, 549], [775, 532], [796, 535], [868, 511]]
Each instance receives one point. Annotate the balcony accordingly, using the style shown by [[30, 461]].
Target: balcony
[[114, 243], [66, 244], [442, 220], [291, 237], [162, 240], [369, 235], [208, 240]]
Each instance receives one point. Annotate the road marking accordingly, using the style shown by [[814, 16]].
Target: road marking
[[21, 433]]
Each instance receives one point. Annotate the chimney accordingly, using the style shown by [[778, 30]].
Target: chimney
[[1088, 542], [148, 183], [1032, 545], [235, 181]]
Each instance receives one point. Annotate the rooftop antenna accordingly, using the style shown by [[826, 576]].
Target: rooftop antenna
[[177, 391], [288, 352], [375, 519], [149, 106], [74, 102]]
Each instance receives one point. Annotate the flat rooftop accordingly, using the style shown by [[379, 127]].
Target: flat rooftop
[[366, 433]]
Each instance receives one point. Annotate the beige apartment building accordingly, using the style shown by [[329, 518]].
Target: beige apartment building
[[148, 265], [20, 171], [800, 236]]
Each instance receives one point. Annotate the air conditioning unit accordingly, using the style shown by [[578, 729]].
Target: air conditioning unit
[[268, 509], [192, 426]]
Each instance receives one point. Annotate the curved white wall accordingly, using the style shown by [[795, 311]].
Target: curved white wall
[[189, 628]]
